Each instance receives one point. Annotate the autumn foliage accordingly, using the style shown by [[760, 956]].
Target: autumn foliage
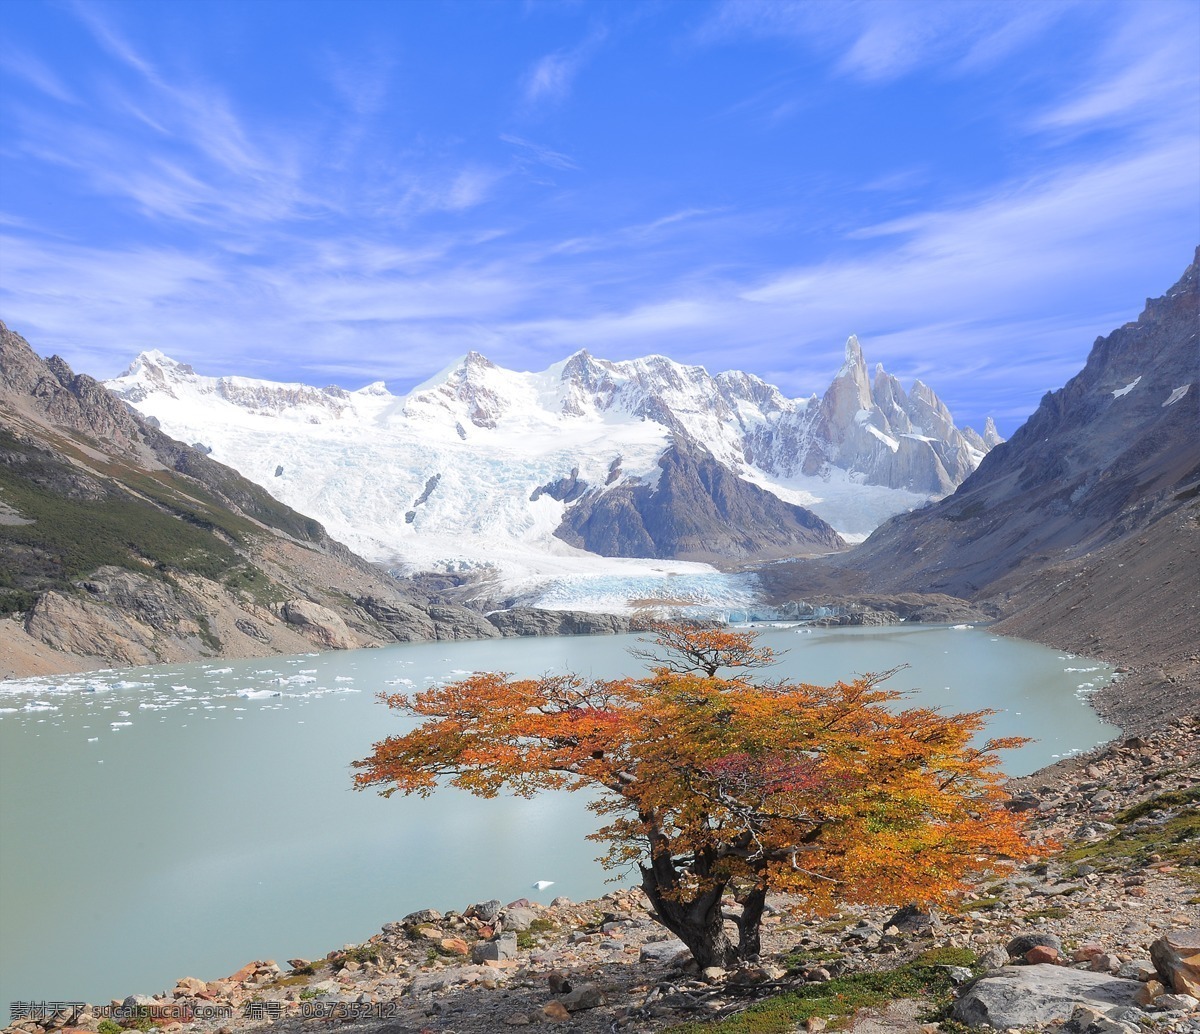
[[715, 786]]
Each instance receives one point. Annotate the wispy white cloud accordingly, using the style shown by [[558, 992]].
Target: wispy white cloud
[[882, 40], [551, 77], [26, 66], [543, 155], [1143, 74]]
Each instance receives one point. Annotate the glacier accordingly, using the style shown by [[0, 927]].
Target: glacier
[[470, 474]]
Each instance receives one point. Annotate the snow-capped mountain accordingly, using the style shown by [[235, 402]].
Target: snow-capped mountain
[[537, 472]]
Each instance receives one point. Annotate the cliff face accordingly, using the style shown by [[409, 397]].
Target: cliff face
[[1083, 530], [119, 545], [1112, 452]]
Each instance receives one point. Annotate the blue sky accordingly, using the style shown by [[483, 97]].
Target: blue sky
[[341, 192]]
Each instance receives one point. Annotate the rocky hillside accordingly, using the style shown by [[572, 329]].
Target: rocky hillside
[[1083, 530], [697, 509], [119, 545]]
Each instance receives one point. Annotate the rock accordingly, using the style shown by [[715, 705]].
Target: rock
[[424, 915], [815, 1024], [517, 1019], [1177, 959], [556, 1012], [1138, 969], [1020, 945], [1150, 990], [299, 963], [188, 987], [558, 982], [585, 996], [1086, 1020], [503, 947], [1042, 954], [454, 946], [1171, 1002], [519, 917], [911, 920], [484, 911], [664, 953], [993, 958], [1104, 963], [439, 979], [1025, 996], [528, 621], [1087, 952], [320, 624]]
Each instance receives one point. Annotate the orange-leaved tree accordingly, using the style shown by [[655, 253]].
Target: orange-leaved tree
[[715, 786]]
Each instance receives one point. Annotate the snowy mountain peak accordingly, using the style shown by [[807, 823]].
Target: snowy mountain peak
[[481, 461]]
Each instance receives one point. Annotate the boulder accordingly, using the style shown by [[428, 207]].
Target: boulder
[[581, 997], [484, 911], [1021, 945], [664, 952], [503, 947], [1177, 959], [1026, 996], [1043, 954], [518, 917], [910, 921]]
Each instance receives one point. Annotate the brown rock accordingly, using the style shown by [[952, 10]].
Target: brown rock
[[1150, 990], [245, 973], [558, 981], [1087, 952], [555, 1012], [454, 946], [1177, 959], [1042, 954]]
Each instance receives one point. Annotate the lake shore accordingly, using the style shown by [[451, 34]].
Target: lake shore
[[605, 965]]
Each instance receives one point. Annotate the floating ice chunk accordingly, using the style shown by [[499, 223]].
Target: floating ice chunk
[[1176, 395], [960, 627], [120, 725], [1122, 392], [258, 694], [219, 671]]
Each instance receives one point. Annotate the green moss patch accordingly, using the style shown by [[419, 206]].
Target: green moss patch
[[842, 996]]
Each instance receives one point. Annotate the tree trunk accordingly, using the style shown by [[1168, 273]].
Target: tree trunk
[[753, 904], [697, 922]]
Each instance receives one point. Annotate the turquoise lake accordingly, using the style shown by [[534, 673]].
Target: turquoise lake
[[181, 820]]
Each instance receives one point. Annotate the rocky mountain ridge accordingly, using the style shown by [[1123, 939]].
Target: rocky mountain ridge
[[1083, 530], [483, 466], [120, 545]]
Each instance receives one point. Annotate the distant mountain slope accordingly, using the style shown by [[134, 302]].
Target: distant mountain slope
[[696, 510], [119, 544], [1113, 451], [1083, 530], [483, 467]]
